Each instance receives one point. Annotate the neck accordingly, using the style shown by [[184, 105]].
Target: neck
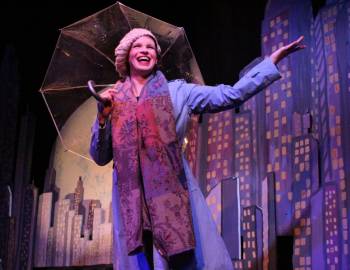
[[138, 82], [139, 79]]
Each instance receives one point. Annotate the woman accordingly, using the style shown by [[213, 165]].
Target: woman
[[141, 127]]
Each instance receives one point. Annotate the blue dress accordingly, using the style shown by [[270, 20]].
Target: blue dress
[[187, 98]]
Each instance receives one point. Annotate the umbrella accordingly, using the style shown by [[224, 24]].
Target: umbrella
[[85, 51]]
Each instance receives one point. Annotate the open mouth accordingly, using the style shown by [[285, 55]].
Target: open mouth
[[143, 59]]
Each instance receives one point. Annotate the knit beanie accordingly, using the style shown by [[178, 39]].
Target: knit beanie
[[122, 50]]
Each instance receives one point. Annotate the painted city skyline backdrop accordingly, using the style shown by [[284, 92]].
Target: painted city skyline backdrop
[[276, 168], [73, 230]]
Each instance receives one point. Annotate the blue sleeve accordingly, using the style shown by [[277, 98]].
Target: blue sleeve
[[202, 98], [101, 143]]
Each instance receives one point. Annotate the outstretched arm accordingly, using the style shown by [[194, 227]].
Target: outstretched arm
[[222, 97], [203, 98]]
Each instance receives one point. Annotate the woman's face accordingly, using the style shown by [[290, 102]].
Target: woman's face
[[142, 56]]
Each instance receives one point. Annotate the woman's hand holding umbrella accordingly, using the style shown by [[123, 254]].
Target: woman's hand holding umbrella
[[105, 104], [104, 107]]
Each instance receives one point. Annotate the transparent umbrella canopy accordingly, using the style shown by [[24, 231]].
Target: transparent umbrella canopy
[[85, 51]]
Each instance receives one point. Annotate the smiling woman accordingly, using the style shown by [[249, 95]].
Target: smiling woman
[[142, 130], [142, 58]]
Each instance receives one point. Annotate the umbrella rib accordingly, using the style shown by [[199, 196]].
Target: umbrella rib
[[153, 18], [51, 60], [52, 57], [54, 121], [125, 16], [67, 33], [73, 87], [182, 30], [87, 18], [123, 10], [76, 153], [169, 47], [59, 134]]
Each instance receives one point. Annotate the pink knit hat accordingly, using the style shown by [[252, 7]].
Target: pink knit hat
[[122, 50]]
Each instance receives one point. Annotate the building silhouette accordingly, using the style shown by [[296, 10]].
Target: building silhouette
[[70, 241]]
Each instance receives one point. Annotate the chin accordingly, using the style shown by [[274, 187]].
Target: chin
[[146, 71]]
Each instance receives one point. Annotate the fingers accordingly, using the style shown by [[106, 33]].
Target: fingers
[[108, 94], [298, 44], [108, 98], [104, 107], [295, 45], [284, 51], [300, 39]]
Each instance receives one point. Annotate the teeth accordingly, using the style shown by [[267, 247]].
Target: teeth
[[143, 58]]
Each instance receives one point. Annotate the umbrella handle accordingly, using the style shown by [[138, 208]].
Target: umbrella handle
[[91, 87]]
